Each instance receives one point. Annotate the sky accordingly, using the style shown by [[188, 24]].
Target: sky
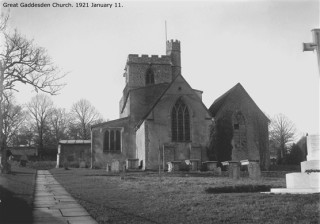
[[256, 43]]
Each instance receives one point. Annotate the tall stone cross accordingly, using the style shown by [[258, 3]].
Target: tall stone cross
[[315, 45]]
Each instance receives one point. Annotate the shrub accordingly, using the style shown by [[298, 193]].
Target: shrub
[[97, 165], [203, 168], [74, 164], [184, 167], [295, 155], [42, 165], [238, 189]]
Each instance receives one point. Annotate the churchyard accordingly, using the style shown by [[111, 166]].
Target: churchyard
[[185, 197]]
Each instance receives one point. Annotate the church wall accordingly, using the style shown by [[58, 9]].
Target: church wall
[[127, 142], [140, 144], [161, 127], [256, 128]]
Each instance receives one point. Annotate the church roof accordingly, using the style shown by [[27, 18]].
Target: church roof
[[112, 122], [159, 98], [220, 101], [150, 93]]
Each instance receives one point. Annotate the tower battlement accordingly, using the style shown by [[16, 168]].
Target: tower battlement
[[173, 45], [149, 59]]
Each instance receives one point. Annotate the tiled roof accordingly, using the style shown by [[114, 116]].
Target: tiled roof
[[219, 102]]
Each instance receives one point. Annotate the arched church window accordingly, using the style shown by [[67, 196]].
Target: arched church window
[[239, 130], [149, 76], [180, 122]]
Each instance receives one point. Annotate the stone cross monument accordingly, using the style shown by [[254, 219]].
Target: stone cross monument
[[315, 45]]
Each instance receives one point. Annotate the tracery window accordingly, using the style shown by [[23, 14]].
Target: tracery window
[[149, 76], [112, 140], [180, 122], [239, 130]]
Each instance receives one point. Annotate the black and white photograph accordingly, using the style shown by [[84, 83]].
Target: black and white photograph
[[159, 111]]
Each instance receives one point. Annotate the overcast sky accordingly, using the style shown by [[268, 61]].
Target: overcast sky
[[256, 43]]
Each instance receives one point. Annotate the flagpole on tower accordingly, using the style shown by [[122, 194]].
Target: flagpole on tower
[[165, 25]]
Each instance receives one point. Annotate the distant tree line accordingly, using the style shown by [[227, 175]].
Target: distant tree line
[[41, 124]]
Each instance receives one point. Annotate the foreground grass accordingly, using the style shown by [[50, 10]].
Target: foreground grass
[[16, 195], [182, 198]]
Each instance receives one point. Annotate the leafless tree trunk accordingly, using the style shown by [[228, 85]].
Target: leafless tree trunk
[[13, 117], [40, 108], [85, 115], [58, 123], [282, 132]]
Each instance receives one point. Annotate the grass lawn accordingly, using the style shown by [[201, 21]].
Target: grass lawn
[[182, 198], [16, 195]]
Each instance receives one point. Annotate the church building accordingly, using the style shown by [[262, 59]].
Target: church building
[[162, 119]]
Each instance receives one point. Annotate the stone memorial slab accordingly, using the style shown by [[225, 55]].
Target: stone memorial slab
[[308, 181]]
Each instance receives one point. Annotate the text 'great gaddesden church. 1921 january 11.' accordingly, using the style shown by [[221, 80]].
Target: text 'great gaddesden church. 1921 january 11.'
[[162, 119]]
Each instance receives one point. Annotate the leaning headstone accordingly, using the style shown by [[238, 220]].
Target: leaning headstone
[[234, 169], [254, 170]]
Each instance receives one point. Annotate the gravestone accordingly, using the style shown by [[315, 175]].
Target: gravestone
[[82, 164], [254, 170], [194, 164], [132, 164], [115, 166], [308, 180], [108, 167], [234, 169], [173, 166], [217, 171], [211, 165], [170, 166]]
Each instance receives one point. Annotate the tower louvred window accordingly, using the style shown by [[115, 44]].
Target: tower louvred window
[[180, 122]]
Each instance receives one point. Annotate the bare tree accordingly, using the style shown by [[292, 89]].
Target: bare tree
[[4, 17], [23, 62], [25, 134], [282, 133], [59, 123], [40, 108], [84, 115], [13, 118]]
